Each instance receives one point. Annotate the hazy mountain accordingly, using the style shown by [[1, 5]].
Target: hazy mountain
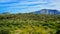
[[42, 11], [47, 11]]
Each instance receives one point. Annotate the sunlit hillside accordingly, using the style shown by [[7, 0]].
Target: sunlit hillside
[[29, 24]]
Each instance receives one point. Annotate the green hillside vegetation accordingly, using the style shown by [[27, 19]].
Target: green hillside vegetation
[[29, 24]]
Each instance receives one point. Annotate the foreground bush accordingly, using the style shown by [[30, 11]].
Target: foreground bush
[[29, 24]]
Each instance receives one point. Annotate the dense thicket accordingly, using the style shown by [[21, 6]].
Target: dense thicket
[[29, 24]]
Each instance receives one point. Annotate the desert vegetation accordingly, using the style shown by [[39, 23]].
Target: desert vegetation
[[29, 24]]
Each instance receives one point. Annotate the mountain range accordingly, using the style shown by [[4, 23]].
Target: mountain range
[[42, 11], [47, 11]]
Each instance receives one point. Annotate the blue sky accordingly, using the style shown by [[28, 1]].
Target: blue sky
[[25, 6]]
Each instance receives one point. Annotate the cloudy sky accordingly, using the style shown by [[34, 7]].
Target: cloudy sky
[[23, 6]]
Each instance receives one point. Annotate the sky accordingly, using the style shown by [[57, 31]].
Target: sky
[[25, 6]]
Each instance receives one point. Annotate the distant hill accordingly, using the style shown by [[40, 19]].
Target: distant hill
[[42, 11], [47, 11]]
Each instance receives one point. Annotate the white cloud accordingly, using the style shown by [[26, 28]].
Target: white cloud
[[30, 5]]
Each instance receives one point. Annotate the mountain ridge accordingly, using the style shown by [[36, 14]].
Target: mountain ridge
[[46, 11]]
